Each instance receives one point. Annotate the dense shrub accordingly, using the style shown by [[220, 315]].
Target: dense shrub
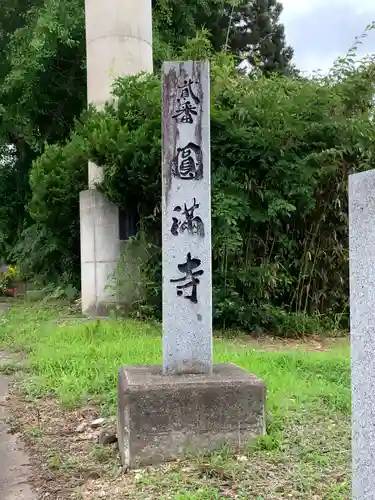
[[282, 150], [49, 249], [8, 275]]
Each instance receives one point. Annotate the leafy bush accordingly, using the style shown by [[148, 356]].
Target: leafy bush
[[50, 248], [282, 150], [6, 281]]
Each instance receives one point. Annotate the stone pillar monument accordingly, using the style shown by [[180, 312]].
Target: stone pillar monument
[[186, 209], [362, 331], [119, 43], [188, 404]]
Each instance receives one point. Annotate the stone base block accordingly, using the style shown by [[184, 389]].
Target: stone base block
[[161, 418], [100, 251]]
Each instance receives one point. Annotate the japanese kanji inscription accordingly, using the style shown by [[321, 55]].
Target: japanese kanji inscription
[[186, 216]]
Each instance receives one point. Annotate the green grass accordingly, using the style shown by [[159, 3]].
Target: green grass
[[308, 403]]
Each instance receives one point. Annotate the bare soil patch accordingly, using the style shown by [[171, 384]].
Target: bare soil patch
[[311, 343], [63, 459]]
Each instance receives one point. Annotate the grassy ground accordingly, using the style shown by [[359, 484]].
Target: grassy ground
[[304, 455]]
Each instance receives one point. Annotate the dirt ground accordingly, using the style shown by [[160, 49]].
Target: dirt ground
[[15, 465], [311, 343]]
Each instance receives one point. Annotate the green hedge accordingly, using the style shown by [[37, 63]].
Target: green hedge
[[282, 150]]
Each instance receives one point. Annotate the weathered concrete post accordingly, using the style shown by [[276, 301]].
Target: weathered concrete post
[[188, 404], [362, 330], [119, 43], [186, 209]]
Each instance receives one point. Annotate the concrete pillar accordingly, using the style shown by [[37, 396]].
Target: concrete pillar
[[362, 331], [119, 43], [99, 225]]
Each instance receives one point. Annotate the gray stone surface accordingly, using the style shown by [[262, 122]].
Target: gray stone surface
[[186, 216], [118, 43], [15, 467], [100, 251], [362, 330], [165, 417]]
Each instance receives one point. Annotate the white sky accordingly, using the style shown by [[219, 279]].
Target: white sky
[[321, 30]]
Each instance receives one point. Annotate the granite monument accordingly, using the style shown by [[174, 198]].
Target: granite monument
[[362, 331]]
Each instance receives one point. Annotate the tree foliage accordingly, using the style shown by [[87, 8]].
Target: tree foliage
[[50, 248], [248, 30], [258, 35], [45, 86], [42, 89], [43, 79], [42, 76]]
